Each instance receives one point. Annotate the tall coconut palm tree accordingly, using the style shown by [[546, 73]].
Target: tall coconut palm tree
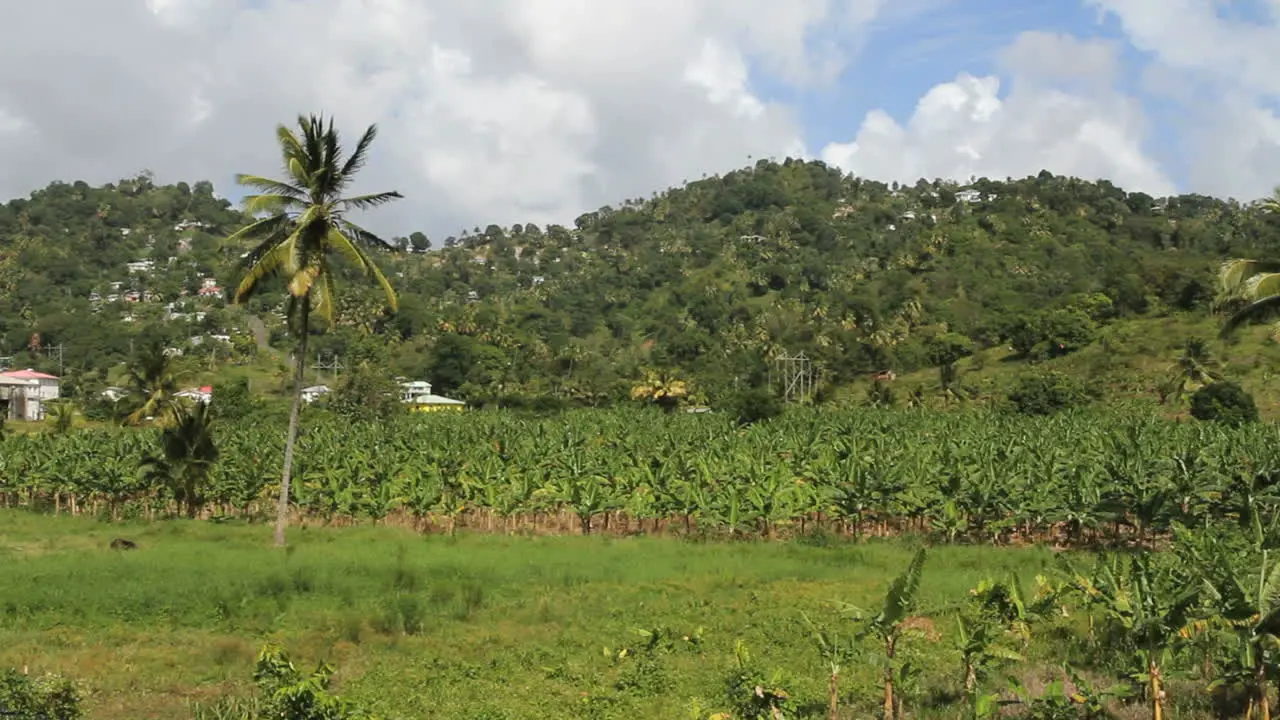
[[303, 227]]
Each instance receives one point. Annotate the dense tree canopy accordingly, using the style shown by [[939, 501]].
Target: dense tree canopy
[[704, 281]]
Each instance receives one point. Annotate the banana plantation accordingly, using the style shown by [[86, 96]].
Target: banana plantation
[[1079, 480], [1171, 606]]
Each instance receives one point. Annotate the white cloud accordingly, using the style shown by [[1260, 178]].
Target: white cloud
[[1059, 113], [501, 111], [1221, 73], [537, 110]]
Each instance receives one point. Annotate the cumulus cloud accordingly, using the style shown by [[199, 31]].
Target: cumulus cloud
[[537, 110], [502, 111], [1220, 72], [1060, 112]]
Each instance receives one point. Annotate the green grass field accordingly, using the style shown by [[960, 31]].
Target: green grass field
[[474, 627]]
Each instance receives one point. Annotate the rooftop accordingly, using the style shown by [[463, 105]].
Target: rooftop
[[28, 374]]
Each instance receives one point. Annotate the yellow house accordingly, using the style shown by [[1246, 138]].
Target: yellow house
[[418, 396]]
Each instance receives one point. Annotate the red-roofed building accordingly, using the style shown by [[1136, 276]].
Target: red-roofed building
[[23, 393], [202, 394]]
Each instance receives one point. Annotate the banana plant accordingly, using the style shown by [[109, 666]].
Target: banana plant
[[1147, 608], [1248, 604], [886, 627], [835, 651]]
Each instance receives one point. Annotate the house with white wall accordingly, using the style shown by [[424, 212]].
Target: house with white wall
[[25, 393]]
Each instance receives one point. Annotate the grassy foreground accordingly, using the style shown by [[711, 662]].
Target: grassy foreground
[[476, 627]]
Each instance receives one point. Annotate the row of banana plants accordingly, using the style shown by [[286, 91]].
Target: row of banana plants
[[978, 476], [1190, 632]]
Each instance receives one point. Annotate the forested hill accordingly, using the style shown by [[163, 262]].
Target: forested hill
[[703, 282]]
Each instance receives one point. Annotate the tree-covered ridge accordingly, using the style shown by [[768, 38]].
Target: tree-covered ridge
[[65, 274], [705, 281]]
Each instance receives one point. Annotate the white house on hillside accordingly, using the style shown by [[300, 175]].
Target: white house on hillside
[[417, 394], [24, 393], [313, 393]]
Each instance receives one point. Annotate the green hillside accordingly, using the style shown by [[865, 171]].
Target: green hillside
[[704, 282]]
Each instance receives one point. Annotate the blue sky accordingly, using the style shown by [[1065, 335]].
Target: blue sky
[[903, 57]]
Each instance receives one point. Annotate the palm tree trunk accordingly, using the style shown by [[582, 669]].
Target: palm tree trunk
[[888, 710], [1260, 678], [833, 697], [299, 362], [1156, 690]]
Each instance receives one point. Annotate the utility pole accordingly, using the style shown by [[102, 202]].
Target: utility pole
[[48, 351]]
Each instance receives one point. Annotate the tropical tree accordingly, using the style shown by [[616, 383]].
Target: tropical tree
[[1193, 369], [1271, 203], [304, 227], [660, 388], [886, 626], [153, 383], [1148, 611], [187, 455], [62, 416]]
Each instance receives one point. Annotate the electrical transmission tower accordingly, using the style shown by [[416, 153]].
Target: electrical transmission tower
[[331, 363], [794, 376]]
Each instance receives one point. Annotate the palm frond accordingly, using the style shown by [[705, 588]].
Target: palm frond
[[365, 202], [1256, 310], [265, 228], [393, 302], [270, 186], [1270, 204], [325, 295], [294, 156], [364, 236], [274, 257], [345, 247], [358, 156], [272, 204], [1233, 275], [330, 172], [313, 149], [361, 259], [1262, 285]]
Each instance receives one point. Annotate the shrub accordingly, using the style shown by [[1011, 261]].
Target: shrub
[[1047, 393], [284, 693], [48, 698], [1052, 334], [754, 405], [232, 399], [880, 394], [1224, 402], [365, 394]]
